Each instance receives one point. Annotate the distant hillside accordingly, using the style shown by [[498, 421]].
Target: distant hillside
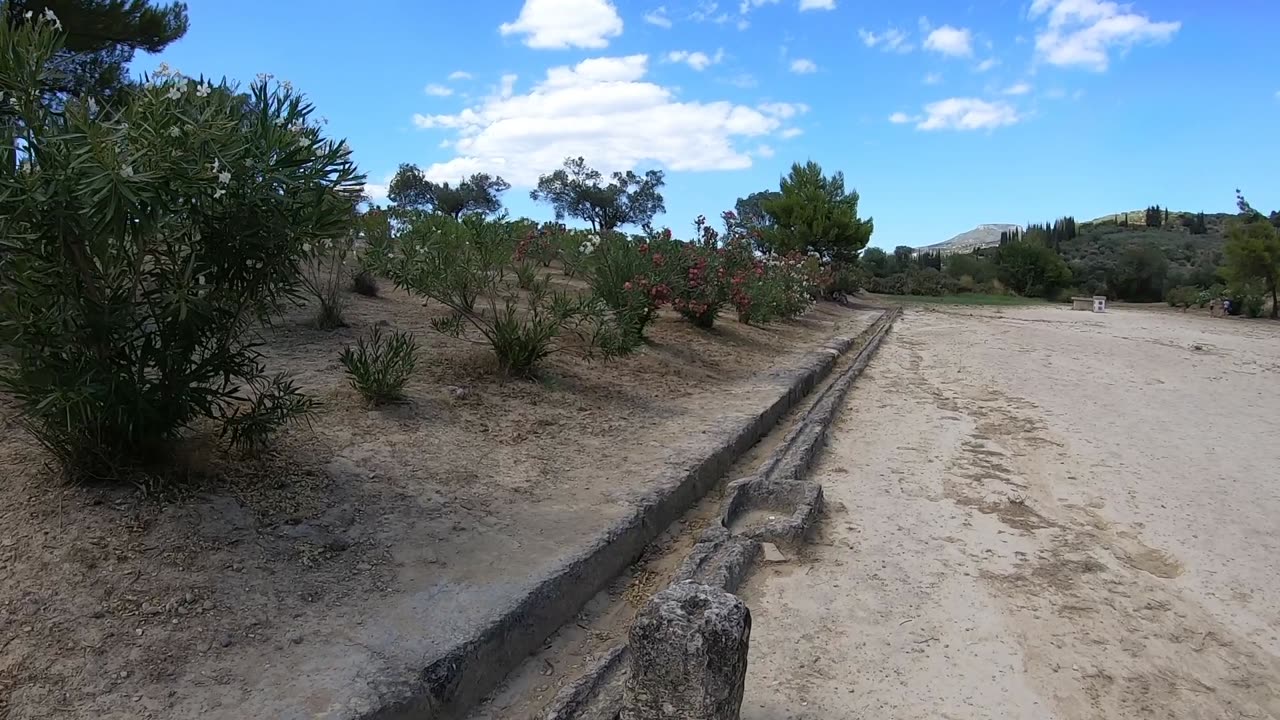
[[982, 236], [1139, 262]]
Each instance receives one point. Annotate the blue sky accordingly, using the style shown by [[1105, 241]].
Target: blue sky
[[943, 115]]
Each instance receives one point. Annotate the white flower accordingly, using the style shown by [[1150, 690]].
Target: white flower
[[50, 17], [219, 193], [344, 148], [200, 279], [216, 165], [224, 177], [126, 171], [304, 142], [93, 107], [27, 14], [174, 132], [288, 86], [174, 93], [264, 77], [163, 70], [306, 247], [203, 90]]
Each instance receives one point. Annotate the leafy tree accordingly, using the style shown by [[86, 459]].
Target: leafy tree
[[1154, 216], [751, 214], [977, 267], [876, 261], [1031, 268], [1253, 257], [579, 191], [750, 209], [476, 194], [101, 37], [814, 213], [1139, 275], [902, 258]]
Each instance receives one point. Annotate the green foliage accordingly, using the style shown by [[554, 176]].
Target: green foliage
[[812, 213], [1253, 257], [765, 290], [324, 276], [1139, 274], [100, 38], [579, 191], [631, 276], [1031, 268], [1182, 296], [700, 278], [380, 367], [876, 262], [979, 268], [480, 193], [273, 403], [466, 265], [750, 213], [140, 248], [1155, 217]]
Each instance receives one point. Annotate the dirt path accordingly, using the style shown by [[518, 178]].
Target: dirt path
[[1040, 514]]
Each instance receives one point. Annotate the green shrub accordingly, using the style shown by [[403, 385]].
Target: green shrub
[[380, 367], [466, 265], [142, 245], [1182, 296], [324, 276], [630, 275], [700, 287], [774, 288]]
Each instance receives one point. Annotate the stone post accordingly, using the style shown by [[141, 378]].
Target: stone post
[[688, 656]]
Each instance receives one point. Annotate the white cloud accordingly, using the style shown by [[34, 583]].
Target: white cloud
[[891, 40], [1056, 94], [377, 192], [986, 65], [900, 118], [1083, 32], [549, 24], [697, 60], [765, 151], [605, 110], [803, 66], [1021, 88], [783, 111], [817, 5], [932, 78], [791, 133], [967, 114], [459, 75], [956, 42], [438, 90], [658, 17]]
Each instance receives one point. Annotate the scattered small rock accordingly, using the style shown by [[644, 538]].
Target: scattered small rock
[[204, 646], [225, 641], [458, 393], [138, 632], [295, 638], [772, 554], [364, 567]]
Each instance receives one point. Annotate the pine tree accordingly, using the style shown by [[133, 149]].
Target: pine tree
[[102, 36]]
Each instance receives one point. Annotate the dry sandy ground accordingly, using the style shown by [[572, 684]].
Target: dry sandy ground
[[295, 584], [1040, 514]]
